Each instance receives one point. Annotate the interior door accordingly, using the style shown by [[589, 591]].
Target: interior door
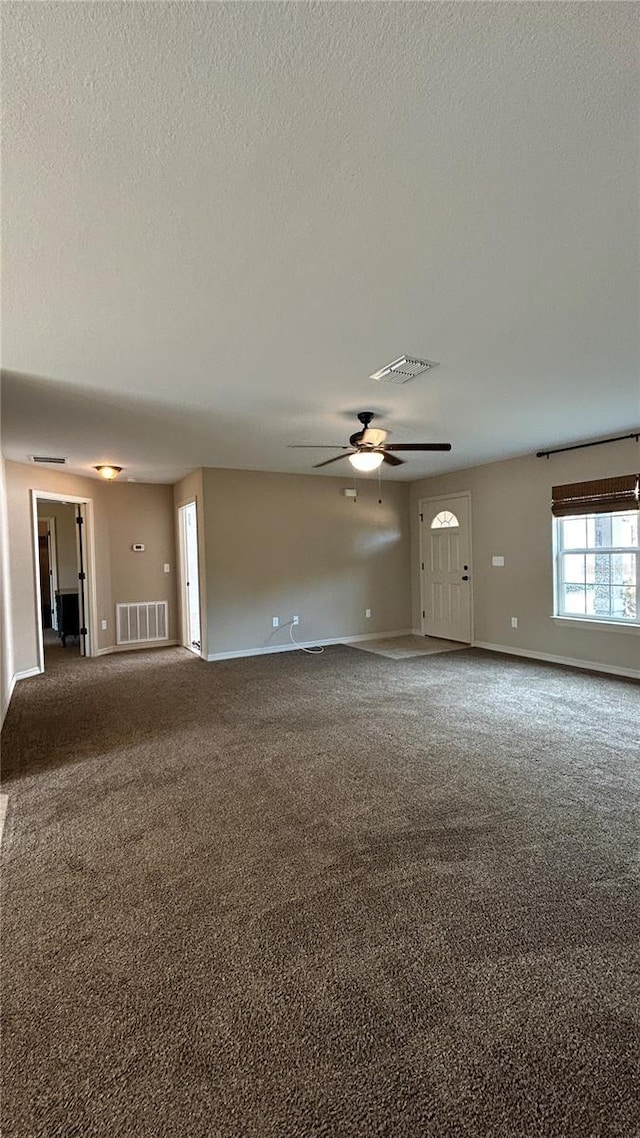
[[445, 570], [191, 577], [82, 578]]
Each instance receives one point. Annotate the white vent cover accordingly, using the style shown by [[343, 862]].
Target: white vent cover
[[141, 622], [403, 369], [45, 458]]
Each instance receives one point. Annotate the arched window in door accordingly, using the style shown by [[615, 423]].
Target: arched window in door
[[444, 520]]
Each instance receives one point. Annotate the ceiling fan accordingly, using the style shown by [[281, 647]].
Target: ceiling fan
[[368, 448]]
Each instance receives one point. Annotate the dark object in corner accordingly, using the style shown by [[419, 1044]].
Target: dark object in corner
[[67, 612]]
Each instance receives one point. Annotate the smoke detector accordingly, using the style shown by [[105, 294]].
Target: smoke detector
[[402, 369]]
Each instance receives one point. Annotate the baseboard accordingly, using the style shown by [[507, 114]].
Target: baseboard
[[547, 658], [5, 707], [12, 684], [241, 653], [24, 676], [143, 645]]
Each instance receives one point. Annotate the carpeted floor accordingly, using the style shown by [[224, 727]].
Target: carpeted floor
[[323, 895]]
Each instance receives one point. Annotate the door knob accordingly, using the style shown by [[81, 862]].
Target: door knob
[[465, 578]]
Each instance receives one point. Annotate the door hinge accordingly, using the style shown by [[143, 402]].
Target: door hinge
[[421, 517], [423, 613], [79, 520], [422, 566], [83, 631], [82, 576]]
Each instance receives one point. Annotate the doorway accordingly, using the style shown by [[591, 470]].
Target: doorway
[[48, 586], [445, 567], [190, 576], [65, 577]]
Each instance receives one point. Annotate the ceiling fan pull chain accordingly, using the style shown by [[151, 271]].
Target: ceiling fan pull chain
[[379, 489]]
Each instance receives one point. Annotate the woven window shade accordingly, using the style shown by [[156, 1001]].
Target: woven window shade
[[602, 496]]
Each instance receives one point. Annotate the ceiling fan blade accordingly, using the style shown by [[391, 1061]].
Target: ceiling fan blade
[[316, 446], [391, 460], [328, 460], [417, 446]]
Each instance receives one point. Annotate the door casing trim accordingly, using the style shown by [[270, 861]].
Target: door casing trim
[[90, 568]]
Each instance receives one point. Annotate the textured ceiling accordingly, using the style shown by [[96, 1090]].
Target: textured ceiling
[[218, 219]]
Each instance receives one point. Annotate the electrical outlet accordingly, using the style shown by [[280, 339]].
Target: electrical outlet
[[275, 621], [367, 613], [167, 567], [514, 622], [295, 620], [103, 625]]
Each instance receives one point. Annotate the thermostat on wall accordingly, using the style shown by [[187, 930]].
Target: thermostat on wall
[[138, 548]]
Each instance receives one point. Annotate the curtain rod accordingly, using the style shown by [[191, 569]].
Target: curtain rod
[[580, 446]]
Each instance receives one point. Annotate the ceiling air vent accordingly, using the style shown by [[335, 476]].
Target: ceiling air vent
[[48, 458], [403, 369]]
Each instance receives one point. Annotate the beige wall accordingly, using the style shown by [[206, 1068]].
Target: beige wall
[[66, 547], [123, 514], [511, 515], [141, 513], [279, 544]]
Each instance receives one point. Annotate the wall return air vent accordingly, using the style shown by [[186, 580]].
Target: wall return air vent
[[48, 458], [402, 369], [141, 621]]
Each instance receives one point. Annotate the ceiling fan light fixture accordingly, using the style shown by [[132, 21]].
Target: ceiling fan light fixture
[[109, 472], [366, 459]]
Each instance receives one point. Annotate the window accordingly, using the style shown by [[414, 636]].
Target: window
[[597, 560], [597, 566], [444, 520]]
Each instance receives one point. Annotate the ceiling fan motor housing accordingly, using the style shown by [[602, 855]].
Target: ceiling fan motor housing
[[371, 442], [369, 436]]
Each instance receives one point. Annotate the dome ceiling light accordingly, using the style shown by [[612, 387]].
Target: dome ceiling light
[[109, 472]]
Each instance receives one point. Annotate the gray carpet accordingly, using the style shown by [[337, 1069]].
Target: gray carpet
[[320, 896]]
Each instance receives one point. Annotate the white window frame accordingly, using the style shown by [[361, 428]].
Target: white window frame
[[618, 624]]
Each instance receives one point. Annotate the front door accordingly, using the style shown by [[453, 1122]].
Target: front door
[[445, 565]]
